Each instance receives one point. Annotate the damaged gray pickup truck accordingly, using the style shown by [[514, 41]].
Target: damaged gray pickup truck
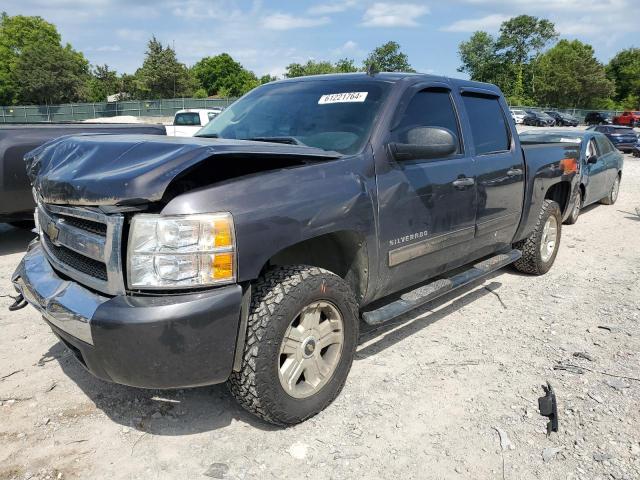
[[250, 253]]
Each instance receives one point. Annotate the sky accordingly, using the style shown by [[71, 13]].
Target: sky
[[267, 35]]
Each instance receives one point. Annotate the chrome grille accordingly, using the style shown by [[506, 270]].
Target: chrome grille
[[88, 225], [83, 264], [84, 244]]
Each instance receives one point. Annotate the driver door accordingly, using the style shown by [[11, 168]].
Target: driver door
[[427, 207], [596, 172]]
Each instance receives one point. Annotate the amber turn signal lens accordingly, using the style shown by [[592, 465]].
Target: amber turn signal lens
[[222, 233], [222, 266], [569, 165]]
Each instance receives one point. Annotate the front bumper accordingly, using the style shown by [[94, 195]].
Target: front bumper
[[170, 341]]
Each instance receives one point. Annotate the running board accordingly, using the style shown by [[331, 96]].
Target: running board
[[437, 288]]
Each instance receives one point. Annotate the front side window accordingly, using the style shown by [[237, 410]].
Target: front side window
[[604, 144], [428, 108], [488, 125]]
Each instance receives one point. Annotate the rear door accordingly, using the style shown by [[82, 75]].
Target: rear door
[[427, 207], [498, 169]]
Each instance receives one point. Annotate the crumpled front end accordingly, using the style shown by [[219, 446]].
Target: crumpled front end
[[171, 341]]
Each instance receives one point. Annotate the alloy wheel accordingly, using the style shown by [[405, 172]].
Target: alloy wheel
[[311, 349], [549, 236]]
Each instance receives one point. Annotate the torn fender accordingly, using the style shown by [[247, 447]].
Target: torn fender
[[131, 169]]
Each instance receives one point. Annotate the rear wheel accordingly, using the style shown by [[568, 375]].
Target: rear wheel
[[301, 339], [611, 198], [540, 249]]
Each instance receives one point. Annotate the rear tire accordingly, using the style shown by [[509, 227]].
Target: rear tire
[[539, 251], [577, 206], [289, 372], [611, 198]]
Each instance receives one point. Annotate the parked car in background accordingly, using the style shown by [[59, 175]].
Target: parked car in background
[[636, 149], [187, 122], [563, 119], [16, 201], [598, 118], [518, 115], [600, 165], [623, 138], [629, 119], [250, 252], [538, 119]]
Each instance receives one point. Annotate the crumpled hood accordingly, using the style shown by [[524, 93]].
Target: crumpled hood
[[96, 169]]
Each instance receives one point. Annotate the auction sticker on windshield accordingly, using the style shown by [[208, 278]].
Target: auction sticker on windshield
[[346, 97]]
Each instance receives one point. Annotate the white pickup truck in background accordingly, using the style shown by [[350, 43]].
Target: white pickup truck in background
[[187, 122]]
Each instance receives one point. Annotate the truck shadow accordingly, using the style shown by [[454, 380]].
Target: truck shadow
[[158, 412], [14, 240], [393, 332]]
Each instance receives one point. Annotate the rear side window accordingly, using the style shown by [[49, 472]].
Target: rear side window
[[429, 108], [187, 118], [488, 125]]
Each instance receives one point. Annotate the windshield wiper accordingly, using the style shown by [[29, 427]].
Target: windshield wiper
[[207, 135], [286, 140]]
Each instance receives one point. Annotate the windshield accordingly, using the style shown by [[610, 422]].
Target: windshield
[[331, 115], [536, 137], [187, 118]]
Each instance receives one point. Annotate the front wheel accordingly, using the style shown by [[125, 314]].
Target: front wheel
[[301, 339], [540, 249], [575, 212], [611, 198]]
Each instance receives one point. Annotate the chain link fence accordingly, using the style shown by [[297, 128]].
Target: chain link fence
[[76, 112]]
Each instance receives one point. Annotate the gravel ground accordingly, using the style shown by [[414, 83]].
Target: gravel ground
[[429, 396]]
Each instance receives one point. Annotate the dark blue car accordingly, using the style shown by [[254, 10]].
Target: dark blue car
[[623, 138], [600, 165]]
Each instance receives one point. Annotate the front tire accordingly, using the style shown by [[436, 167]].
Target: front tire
[[611, 198], [539, 251], [575, 213], [301, 339]]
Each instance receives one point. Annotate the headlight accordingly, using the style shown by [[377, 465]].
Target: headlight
[[181, 251]]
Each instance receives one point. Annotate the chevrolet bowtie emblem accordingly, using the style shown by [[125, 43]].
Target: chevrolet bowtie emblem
[[52, 231]]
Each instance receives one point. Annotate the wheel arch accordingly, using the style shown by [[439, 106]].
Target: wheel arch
[[342, 252], [560, 193]]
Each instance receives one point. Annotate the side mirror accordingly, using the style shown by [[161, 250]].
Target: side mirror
[[425, 143], [592, 159]]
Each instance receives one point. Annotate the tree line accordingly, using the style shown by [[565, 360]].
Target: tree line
[[532, 67], [525, 60], [36, 68]]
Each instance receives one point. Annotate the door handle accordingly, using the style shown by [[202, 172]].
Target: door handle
[[514, 172], [463, 182]]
